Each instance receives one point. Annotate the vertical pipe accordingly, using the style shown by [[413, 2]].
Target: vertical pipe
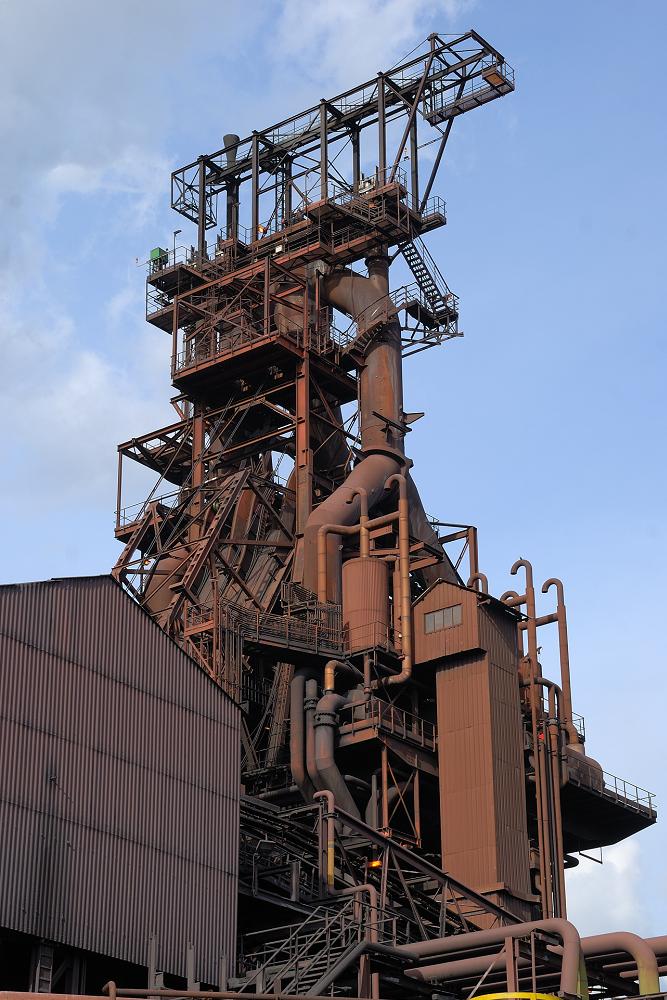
[[328, 837], [546, 886], [310, 707], [404, 572], [553, 725], [564, 655], [364, 538]]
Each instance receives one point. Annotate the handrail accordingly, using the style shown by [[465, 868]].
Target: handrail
[[395, 720]]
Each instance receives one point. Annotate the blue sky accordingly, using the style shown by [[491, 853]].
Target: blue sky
[[545, 425]]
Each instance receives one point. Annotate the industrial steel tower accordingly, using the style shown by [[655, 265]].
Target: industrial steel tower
[[408, 770]]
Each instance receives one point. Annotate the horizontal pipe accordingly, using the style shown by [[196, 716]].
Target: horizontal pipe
[[566, 931], [640, 950]]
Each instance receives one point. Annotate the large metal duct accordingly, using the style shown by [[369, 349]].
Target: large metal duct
[[380, 392]]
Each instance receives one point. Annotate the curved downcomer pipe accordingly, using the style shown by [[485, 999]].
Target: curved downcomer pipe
[[312, 698], [297, 738], [326, 723], [380, 391], [566, 931]]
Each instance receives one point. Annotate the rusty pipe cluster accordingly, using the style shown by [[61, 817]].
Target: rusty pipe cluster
[[403, 598], [381, 413], [313, 727]]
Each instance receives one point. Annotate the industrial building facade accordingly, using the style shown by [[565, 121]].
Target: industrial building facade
[[119, 793], [297, 746]]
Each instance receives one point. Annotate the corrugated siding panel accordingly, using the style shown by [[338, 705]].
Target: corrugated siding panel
[[119, 785], [482, 792], [499, 638], [448, 641]]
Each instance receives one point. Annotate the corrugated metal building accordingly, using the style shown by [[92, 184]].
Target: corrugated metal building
[[471, 640], [119, 781]]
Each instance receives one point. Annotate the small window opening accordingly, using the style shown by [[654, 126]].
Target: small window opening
[[435, 621]]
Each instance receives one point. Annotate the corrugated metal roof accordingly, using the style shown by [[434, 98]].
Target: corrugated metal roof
[[119, 786]]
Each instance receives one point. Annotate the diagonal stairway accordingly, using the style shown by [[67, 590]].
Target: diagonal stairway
[[435, 289], [297, 963]]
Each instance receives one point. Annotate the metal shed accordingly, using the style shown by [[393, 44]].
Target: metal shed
[[119, 782]]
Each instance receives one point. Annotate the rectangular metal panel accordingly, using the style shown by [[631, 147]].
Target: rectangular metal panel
[[119, 781], [447, 641], [482, 790]]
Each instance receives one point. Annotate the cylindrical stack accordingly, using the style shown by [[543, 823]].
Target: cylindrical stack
[[365, 603]]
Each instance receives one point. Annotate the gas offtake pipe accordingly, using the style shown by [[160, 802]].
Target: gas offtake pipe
[[297, 743]]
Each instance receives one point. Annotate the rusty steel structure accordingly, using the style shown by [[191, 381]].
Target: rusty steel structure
[[414, 786]]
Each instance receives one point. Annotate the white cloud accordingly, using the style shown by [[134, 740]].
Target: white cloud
[[609, 896], [342, 44]]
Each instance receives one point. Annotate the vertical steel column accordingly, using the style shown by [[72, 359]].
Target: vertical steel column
[[267, 295], [232, 220], [473, 553], [382, 130], [385, 791], [201, 217], [417, 807], [324, 151], [414, 164], [356, 159], [197, 470], [174, 338], [254, 172], [287, 191], [119, 487], [511, 965], [304, 459]]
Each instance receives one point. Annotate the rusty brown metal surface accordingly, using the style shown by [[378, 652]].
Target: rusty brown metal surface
[[408, 769], [119, 781], [365, 603]]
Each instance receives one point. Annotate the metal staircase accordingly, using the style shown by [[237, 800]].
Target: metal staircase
[[296, 963], [441, 303]]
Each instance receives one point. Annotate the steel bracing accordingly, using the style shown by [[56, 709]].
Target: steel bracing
[[411, 777]]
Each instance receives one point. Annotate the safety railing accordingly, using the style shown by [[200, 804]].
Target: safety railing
[[190, 255], [370, 635], [579, 724], [626, 793], [381, 715], [135, 512], [297, 956], [284, 630], [495, 79]]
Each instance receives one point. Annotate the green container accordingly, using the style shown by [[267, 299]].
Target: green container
[[158, 253]]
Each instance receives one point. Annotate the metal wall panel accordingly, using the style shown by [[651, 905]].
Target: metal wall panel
[[482, 784], [119, 781], [448, 641]]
